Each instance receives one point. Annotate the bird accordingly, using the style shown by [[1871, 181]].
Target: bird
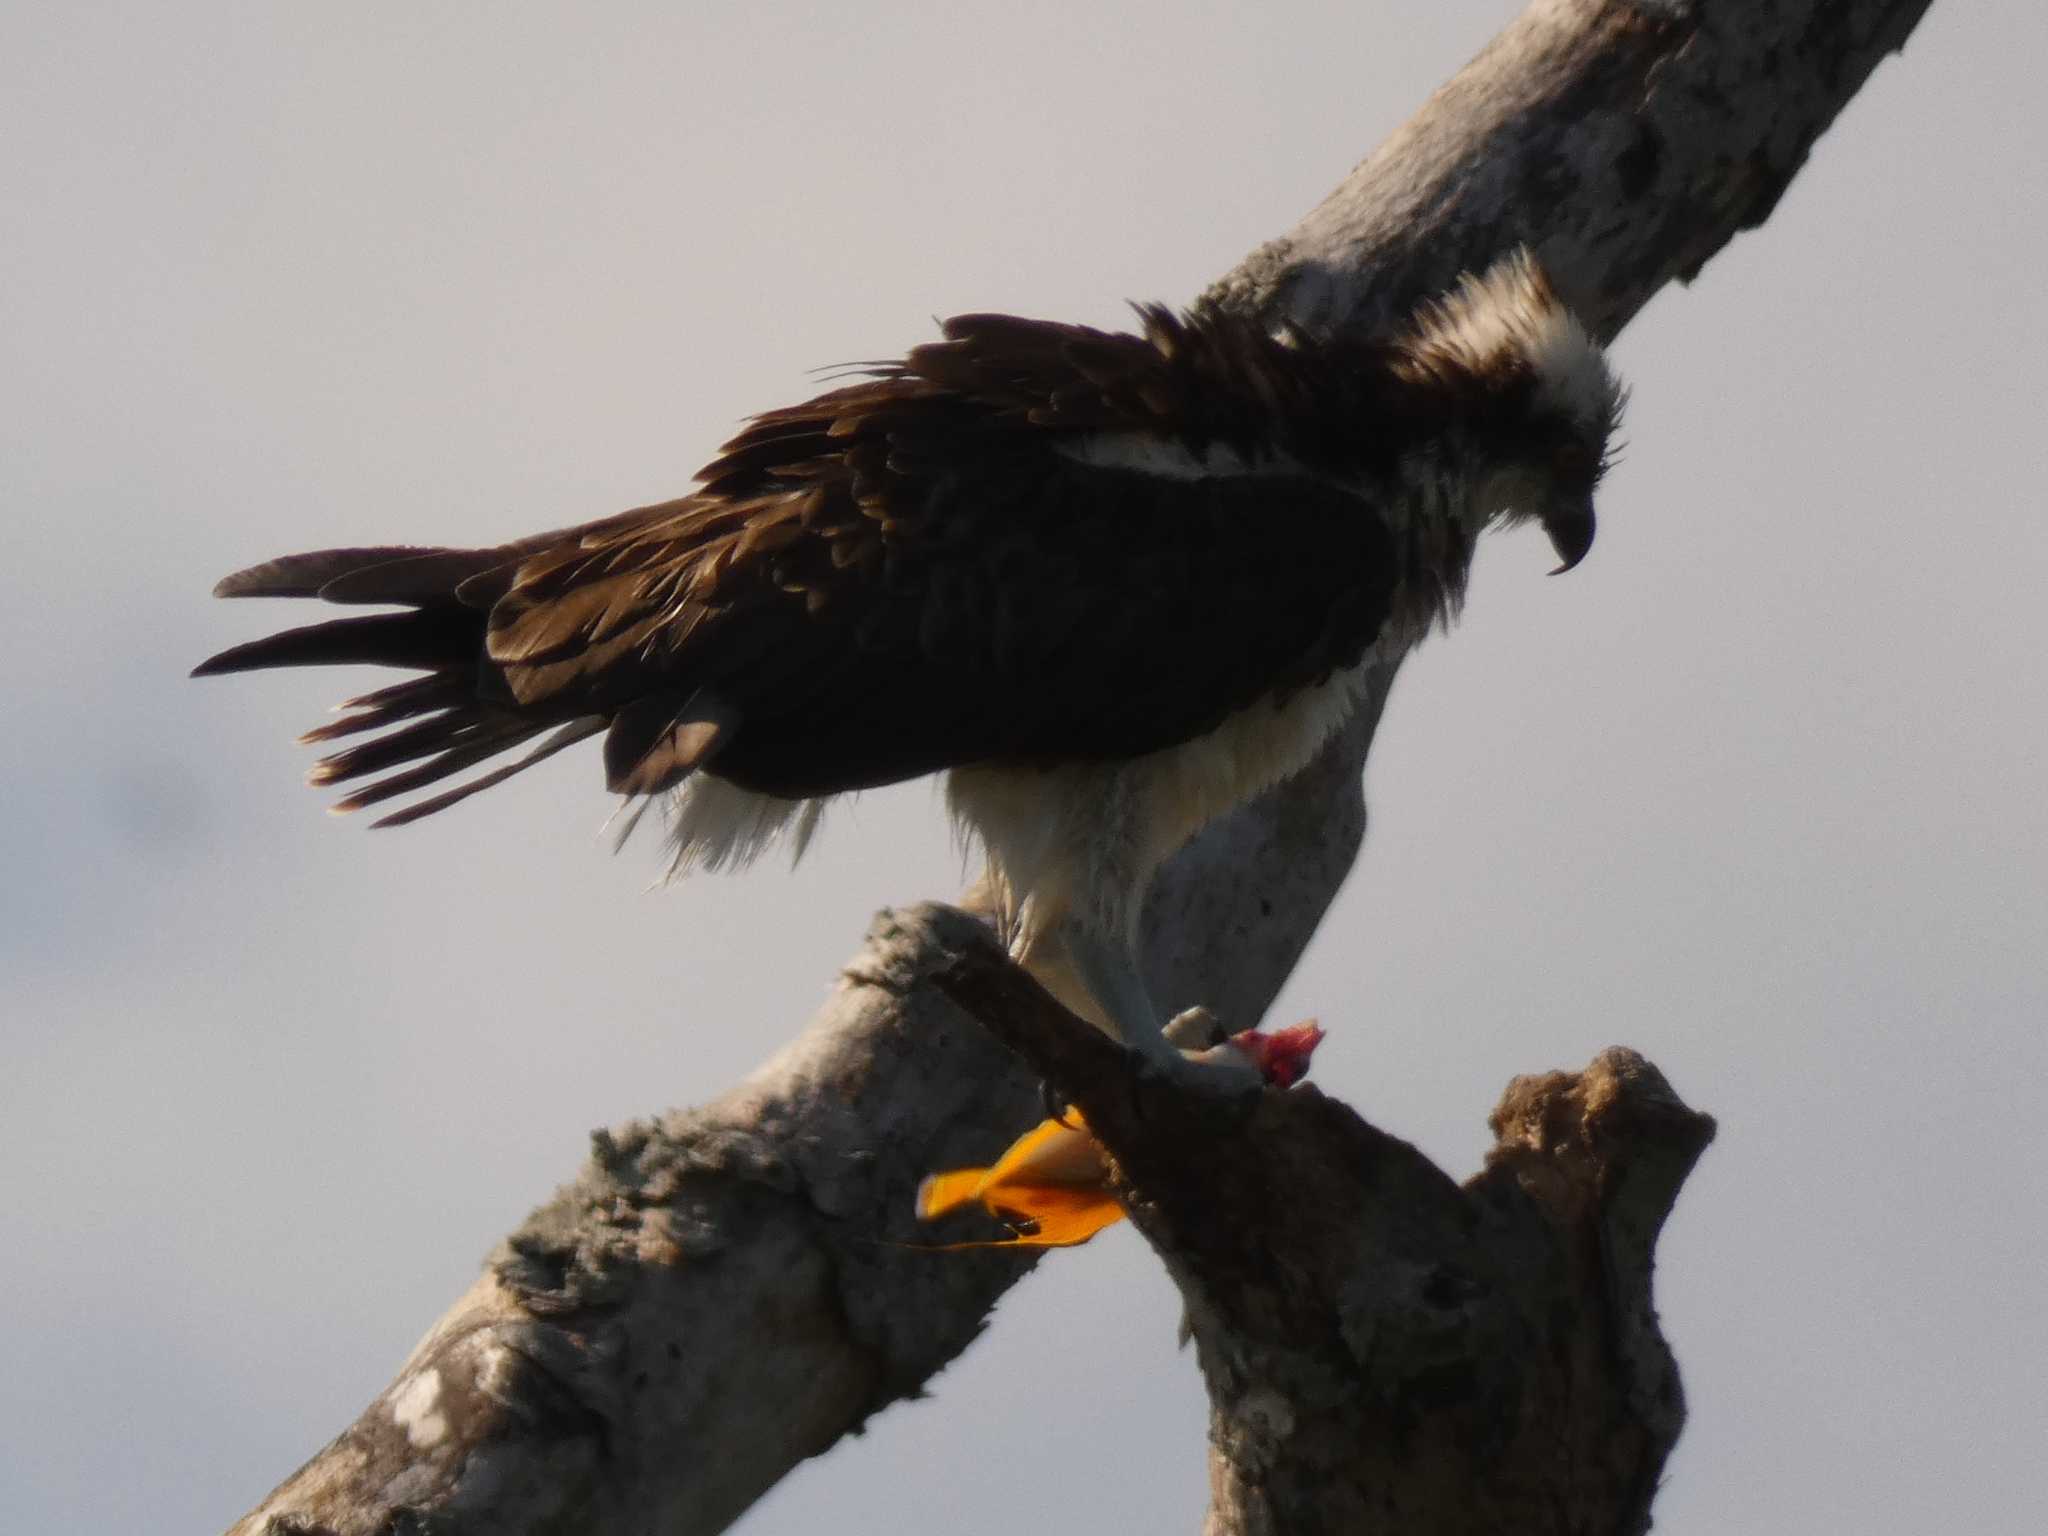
[[1111, 584]]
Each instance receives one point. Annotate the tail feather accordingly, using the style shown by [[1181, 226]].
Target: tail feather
[[453, 719], [425, 638], [402, 701], [567, 736], [420, 576], [308, 574], [470, 745], [423, 738]]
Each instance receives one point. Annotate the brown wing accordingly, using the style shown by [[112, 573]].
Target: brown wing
[[894, 577], [932, 586]]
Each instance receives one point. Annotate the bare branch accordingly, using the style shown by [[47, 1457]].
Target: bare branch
[[1383, 1348], [720, 1293], [681, 1325]]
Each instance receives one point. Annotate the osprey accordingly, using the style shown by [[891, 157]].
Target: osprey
[[1113, 585]]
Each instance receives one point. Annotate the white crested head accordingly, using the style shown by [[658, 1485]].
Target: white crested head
[[1508, 322], [1539, 403]]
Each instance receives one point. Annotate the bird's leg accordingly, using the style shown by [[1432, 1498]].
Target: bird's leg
[[1109, 971]]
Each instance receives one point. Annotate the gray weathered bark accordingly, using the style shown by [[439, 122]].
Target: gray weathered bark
[[1385, 1350], [715, 1297]]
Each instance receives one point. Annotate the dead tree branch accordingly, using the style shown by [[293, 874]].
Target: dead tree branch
[[711, 1300], [1385, 1349]]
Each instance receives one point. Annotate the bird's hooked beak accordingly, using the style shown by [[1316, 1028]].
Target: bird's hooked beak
[[1570, 526]]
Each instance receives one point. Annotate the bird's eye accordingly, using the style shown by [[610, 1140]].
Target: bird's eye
[[1572, 461]]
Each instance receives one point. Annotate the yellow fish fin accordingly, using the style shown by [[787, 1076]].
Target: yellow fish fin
[[944, 1192], [1053, 1215], [1048, 1187]]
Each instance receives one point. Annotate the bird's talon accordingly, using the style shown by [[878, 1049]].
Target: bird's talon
[[1194, 1029]]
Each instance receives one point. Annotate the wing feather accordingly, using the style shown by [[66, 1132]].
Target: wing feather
[[901, 574]]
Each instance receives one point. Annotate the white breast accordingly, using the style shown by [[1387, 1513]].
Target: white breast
[[1087, 837], [1191, 785]]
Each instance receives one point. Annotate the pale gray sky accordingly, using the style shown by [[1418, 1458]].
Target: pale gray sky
[[1756, 790]]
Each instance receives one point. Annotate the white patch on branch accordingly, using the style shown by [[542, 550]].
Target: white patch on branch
[[494, 1370], [415, 1408]]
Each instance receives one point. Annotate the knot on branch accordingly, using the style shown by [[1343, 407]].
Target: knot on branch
[[1608, 1146]]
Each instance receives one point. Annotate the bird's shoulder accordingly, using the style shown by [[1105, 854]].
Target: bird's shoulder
[[996, 388]]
